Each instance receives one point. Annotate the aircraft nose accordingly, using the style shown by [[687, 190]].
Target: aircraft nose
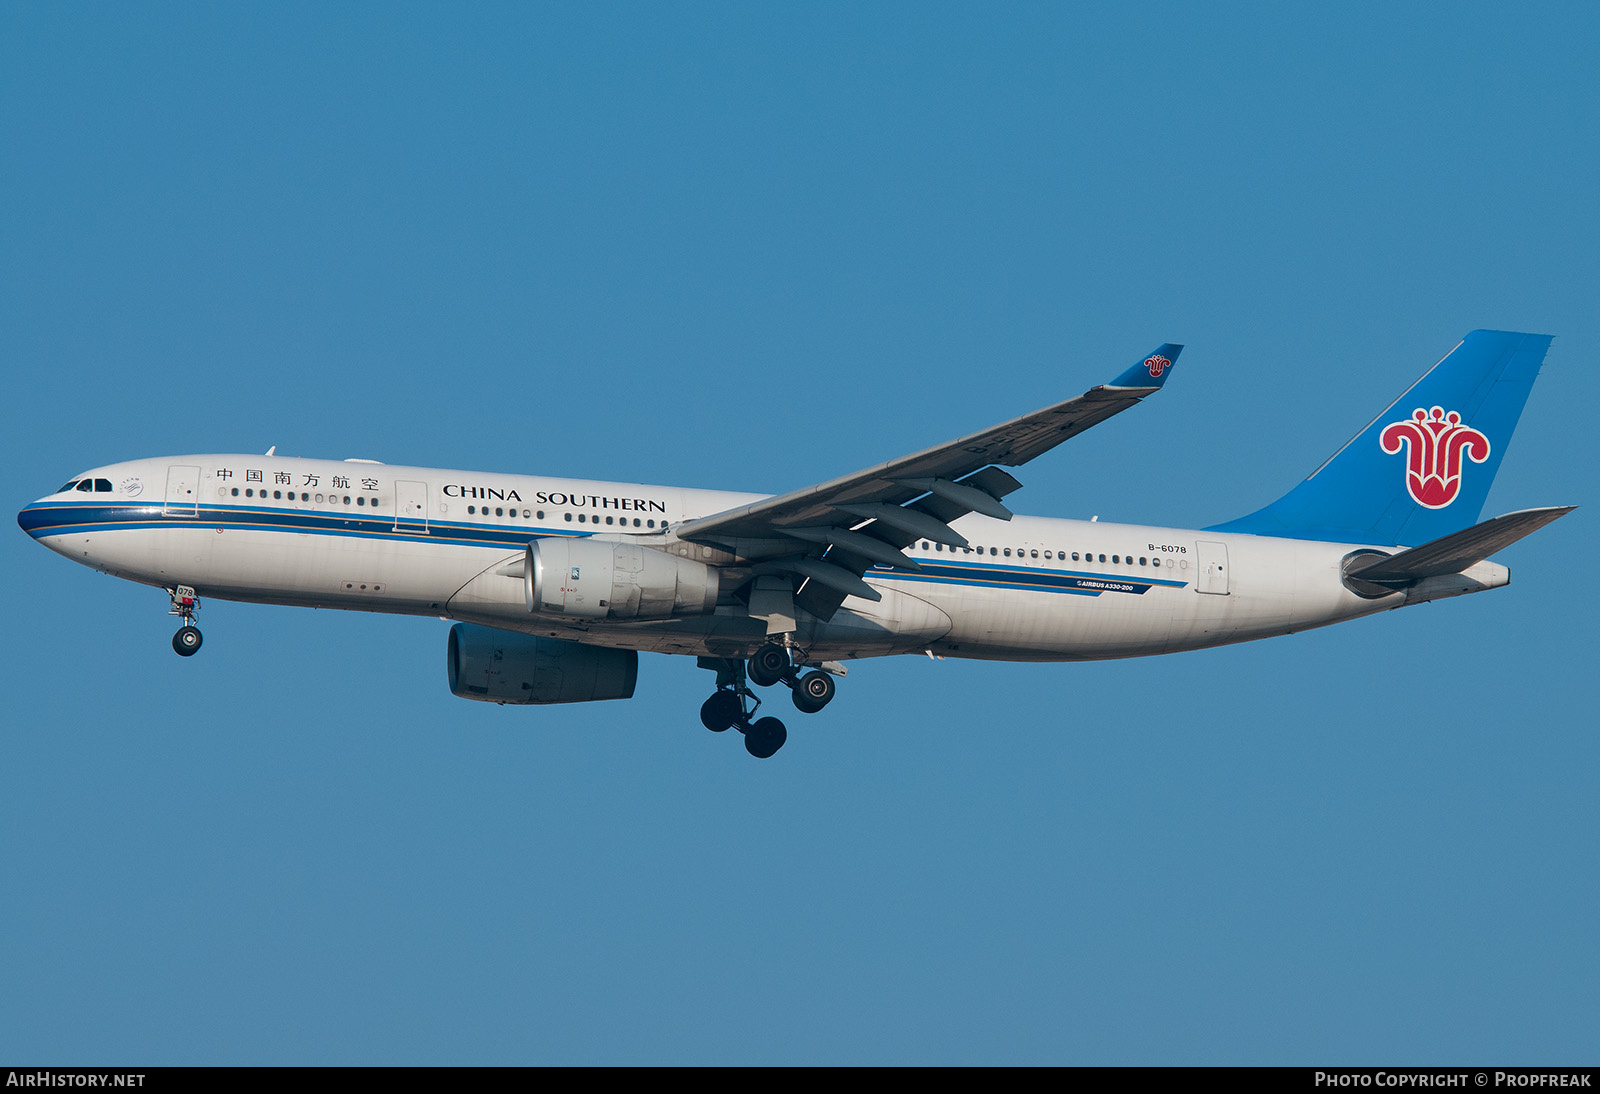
[[31, 517]]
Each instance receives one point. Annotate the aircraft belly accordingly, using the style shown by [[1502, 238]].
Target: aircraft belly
[[1027, 625], [1277, 586], [287, 567], [899, 623], [136, 555]]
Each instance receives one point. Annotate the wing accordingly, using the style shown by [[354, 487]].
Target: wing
[[825, 537]]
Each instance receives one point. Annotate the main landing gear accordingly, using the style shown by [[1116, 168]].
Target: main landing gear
[[733, 704], [186, 643], [810, 691]]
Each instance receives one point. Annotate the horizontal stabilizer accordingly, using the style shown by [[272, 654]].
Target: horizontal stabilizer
[[1457, 551]]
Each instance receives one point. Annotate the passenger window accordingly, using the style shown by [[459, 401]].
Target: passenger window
[[235, 491], [1035, 554], [1008, 552], [567, 517]]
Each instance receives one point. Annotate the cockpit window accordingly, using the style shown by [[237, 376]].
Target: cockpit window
[[70, 486], [86, 486], [102, 486]]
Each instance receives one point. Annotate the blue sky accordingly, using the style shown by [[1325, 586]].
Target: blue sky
[[738, 247]]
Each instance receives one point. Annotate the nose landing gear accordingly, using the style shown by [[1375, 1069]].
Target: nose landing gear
[[186, 643]]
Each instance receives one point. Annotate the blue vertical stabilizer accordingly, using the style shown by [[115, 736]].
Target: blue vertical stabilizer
[[1422, 468]]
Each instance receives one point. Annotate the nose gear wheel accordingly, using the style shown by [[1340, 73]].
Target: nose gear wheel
[[186, 643]]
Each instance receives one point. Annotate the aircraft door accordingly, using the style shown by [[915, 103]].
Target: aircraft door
[[411, 507], [1212, 560], [183, 490]]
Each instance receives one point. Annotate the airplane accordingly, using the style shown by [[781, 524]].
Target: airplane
[[555, 585]]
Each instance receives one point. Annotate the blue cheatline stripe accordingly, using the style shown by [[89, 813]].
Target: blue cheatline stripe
[[76, 518], [1076, 582], [73, 519]]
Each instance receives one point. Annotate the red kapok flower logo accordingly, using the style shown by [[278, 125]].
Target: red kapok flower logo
[[1435, 441]]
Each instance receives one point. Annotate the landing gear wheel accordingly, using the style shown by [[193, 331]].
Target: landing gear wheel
[[812, 692], [187, 641], [765, 738], [769, 665], [721, 711]]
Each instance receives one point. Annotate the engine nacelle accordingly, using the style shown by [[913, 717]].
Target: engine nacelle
[[495, 666], [592, 580]]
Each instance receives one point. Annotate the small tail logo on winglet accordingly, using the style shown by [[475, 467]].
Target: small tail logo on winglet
[[1157, 365], [1437, 440]]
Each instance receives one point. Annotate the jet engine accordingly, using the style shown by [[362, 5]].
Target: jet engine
[[495, 666], [591, 579]]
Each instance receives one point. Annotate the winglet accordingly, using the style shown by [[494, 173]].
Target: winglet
[[1153, 370]]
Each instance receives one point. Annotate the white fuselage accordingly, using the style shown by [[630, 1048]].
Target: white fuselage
[[377, 537]]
